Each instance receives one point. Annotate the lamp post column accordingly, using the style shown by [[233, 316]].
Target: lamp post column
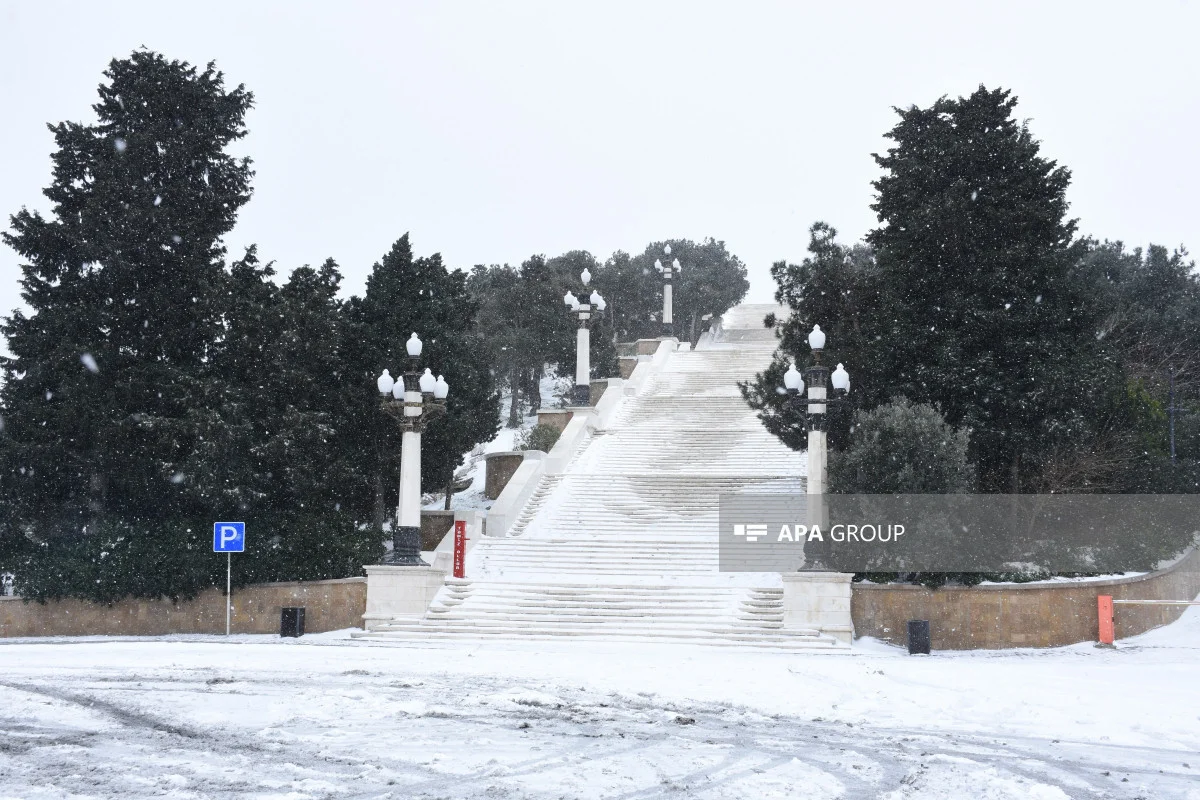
[[668, 272], [414, 398], [817, 388], [668, 320], [406, 544], [818, 454], [582, 394]]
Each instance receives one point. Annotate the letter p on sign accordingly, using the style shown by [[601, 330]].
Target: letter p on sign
[[229, 537]]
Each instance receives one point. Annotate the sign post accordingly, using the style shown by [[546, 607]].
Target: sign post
[[229, 538], [460, 547]]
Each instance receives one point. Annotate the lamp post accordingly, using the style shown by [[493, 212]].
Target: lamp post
[[581, 394], [667, 272], [819, 382], [412, 400], [1172, 410]]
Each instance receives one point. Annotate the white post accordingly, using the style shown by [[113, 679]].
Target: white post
[[583, 367], [817, 460], [667, 319], [228, 590], [408, 510]]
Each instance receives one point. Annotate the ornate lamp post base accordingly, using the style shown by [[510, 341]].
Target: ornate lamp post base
[[406, 548]]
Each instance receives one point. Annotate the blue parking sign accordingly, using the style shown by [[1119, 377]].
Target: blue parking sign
[[229, 537]]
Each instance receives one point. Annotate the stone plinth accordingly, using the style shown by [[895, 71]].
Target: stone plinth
[[394, 591], [818, 601], [498, 470], [434, 527], [647, 347], [554, 417], [598, 387], [628, 364]]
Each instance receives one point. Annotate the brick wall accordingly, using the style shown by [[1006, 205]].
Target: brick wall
[[1021, 615], [329, 605]]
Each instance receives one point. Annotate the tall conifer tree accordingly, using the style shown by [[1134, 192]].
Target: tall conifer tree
[[125, 282], [987, 314]]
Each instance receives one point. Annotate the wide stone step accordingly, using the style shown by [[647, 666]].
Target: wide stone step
[[584, 627]]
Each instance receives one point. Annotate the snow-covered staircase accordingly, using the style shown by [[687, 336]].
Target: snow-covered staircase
[[623, 544]]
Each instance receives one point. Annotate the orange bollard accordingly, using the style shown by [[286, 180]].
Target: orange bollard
[[1104, 605]]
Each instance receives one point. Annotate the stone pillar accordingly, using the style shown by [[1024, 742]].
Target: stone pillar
[[818, 601], [668, 320], [406, 541], [399, 591], [817, 451], [583, 369]]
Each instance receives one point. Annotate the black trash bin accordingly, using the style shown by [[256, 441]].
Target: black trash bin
[[918, 637], [291, 622]]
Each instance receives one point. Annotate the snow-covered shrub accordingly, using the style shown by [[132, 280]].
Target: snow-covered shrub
[[902, 448], [539, 437]]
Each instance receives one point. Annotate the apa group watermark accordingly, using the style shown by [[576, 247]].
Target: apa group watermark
[[955, 533], [798, 532]]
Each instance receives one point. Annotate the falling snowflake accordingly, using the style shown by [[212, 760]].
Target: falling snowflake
[[89, 362], [119, 145]]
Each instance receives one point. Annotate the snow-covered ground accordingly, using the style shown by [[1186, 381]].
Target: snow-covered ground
[[324, 716]]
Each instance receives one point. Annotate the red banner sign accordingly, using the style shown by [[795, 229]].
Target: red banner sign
[[460, 547]]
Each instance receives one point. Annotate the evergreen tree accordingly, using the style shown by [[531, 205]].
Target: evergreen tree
[[108, 390], [986, 314], [525, 324]]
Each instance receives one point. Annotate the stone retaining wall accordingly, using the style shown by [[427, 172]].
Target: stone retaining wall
[[1022, 615], [329, 605], [498, 471]]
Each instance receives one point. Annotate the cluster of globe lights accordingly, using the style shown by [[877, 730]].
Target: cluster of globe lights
[[793, 381], [596, 300], [429, 385], [658, 265]]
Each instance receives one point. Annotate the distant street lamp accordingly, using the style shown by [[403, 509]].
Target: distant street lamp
[[818, 379], [1172, 410], [412, 400], [667, 271], [581, 393]]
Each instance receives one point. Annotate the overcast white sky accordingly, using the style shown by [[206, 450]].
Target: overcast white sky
[[492, 131]]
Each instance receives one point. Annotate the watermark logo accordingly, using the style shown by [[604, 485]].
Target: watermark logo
[[750, 533]]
